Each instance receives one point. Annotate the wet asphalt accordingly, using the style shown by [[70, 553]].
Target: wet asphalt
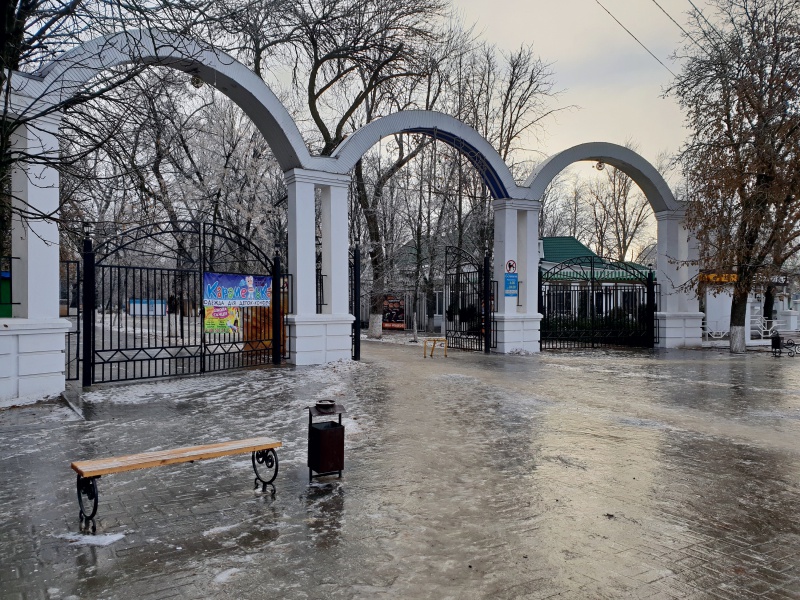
[[602, 474]]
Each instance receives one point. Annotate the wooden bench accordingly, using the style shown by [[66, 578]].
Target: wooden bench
[[433, 341], [264, 457]]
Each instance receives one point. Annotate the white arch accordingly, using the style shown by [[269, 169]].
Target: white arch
[[626, 160], [67, 75], [449, 130]]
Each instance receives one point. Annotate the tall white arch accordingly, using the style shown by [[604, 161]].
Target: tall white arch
[[626, 160], [679, 319], [36, 100], [451, 131], [67, 76]]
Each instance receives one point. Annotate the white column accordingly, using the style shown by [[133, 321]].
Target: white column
[[691, 269], [302, 251], [335, 243], [318, 339], [679, 319], [505, 250], [668, 268], [34, 240], [32, 341], [528, 262], [516, 238]]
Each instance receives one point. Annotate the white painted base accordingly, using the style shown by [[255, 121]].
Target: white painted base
[[788, 320], [319, 339], [518, 332], [31, 359], [680, 330]]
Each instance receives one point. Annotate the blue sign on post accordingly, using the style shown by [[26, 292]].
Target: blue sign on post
[[512, 285]]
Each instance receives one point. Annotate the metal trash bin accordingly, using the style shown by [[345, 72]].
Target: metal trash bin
[[777, 344], [325, 441]]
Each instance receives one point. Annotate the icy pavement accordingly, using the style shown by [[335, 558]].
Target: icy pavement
[[570, 475]]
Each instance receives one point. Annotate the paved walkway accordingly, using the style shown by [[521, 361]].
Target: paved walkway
[[582, 475]]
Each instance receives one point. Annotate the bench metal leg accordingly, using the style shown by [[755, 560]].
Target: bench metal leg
[[87, 500], [265, 464]]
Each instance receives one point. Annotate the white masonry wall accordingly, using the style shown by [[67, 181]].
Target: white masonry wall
[[31, 360]]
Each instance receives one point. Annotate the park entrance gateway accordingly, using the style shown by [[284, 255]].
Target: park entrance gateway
[[179, 298], [311, 181]]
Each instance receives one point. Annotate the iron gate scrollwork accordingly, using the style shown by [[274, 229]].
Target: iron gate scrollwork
[[469, 319], [590, 302], [143, 304]]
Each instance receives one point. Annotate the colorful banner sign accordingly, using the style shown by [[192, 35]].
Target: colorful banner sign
[[222, 319], [228, 289]]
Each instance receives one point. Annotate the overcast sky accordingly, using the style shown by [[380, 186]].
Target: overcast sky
[[616, 85]]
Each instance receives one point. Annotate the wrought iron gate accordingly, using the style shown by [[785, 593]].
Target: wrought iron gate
[[70, 282], [469, 319], [590, 302], [143, 304], [355, 301]]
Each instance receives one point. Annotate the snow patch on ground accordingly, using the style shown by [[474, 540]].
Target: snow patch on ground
[[139, 393], [458, 378], [221, 529], [60, 414], [226, 575], [78, 539], [400, 338], [520, 352]]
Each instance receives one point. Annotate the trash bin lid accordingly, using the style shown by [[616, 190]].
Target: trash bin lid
[[336, 410]]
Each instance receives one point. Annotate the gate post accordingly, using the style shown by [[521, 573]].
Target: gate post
[[516, 250], [651, 310], [487, 304], [87, 313], [357, 302], [277, 330]]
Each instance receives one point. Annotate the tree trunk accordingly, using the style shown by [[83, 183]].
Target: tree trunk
[[738, 325], [377, 256], [769, 304], [375, 330]]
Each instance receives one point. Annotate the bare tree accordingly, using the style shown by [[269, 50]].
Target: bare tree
[[176, 153], [619, 213], [738, 88], [34, 32], [564, 211]]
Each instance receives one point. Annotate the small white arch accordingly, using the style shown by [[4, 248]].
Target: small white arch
[[67, 75], [626, 160], [462, 137]]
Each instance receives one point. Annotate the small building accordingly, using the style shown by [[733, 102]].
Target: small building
[[716, 301]]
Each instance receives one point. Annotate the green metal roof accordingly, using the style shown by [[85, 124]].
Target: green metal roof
[[559, 249]]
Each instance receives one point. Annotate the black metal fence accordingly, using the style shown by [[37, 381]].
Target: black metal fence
[[594, 302], [70, 292], [355, 302], [146, 316]]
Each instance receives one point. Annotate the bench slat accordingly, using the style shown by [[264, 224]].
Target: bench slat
[[119, 464]]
